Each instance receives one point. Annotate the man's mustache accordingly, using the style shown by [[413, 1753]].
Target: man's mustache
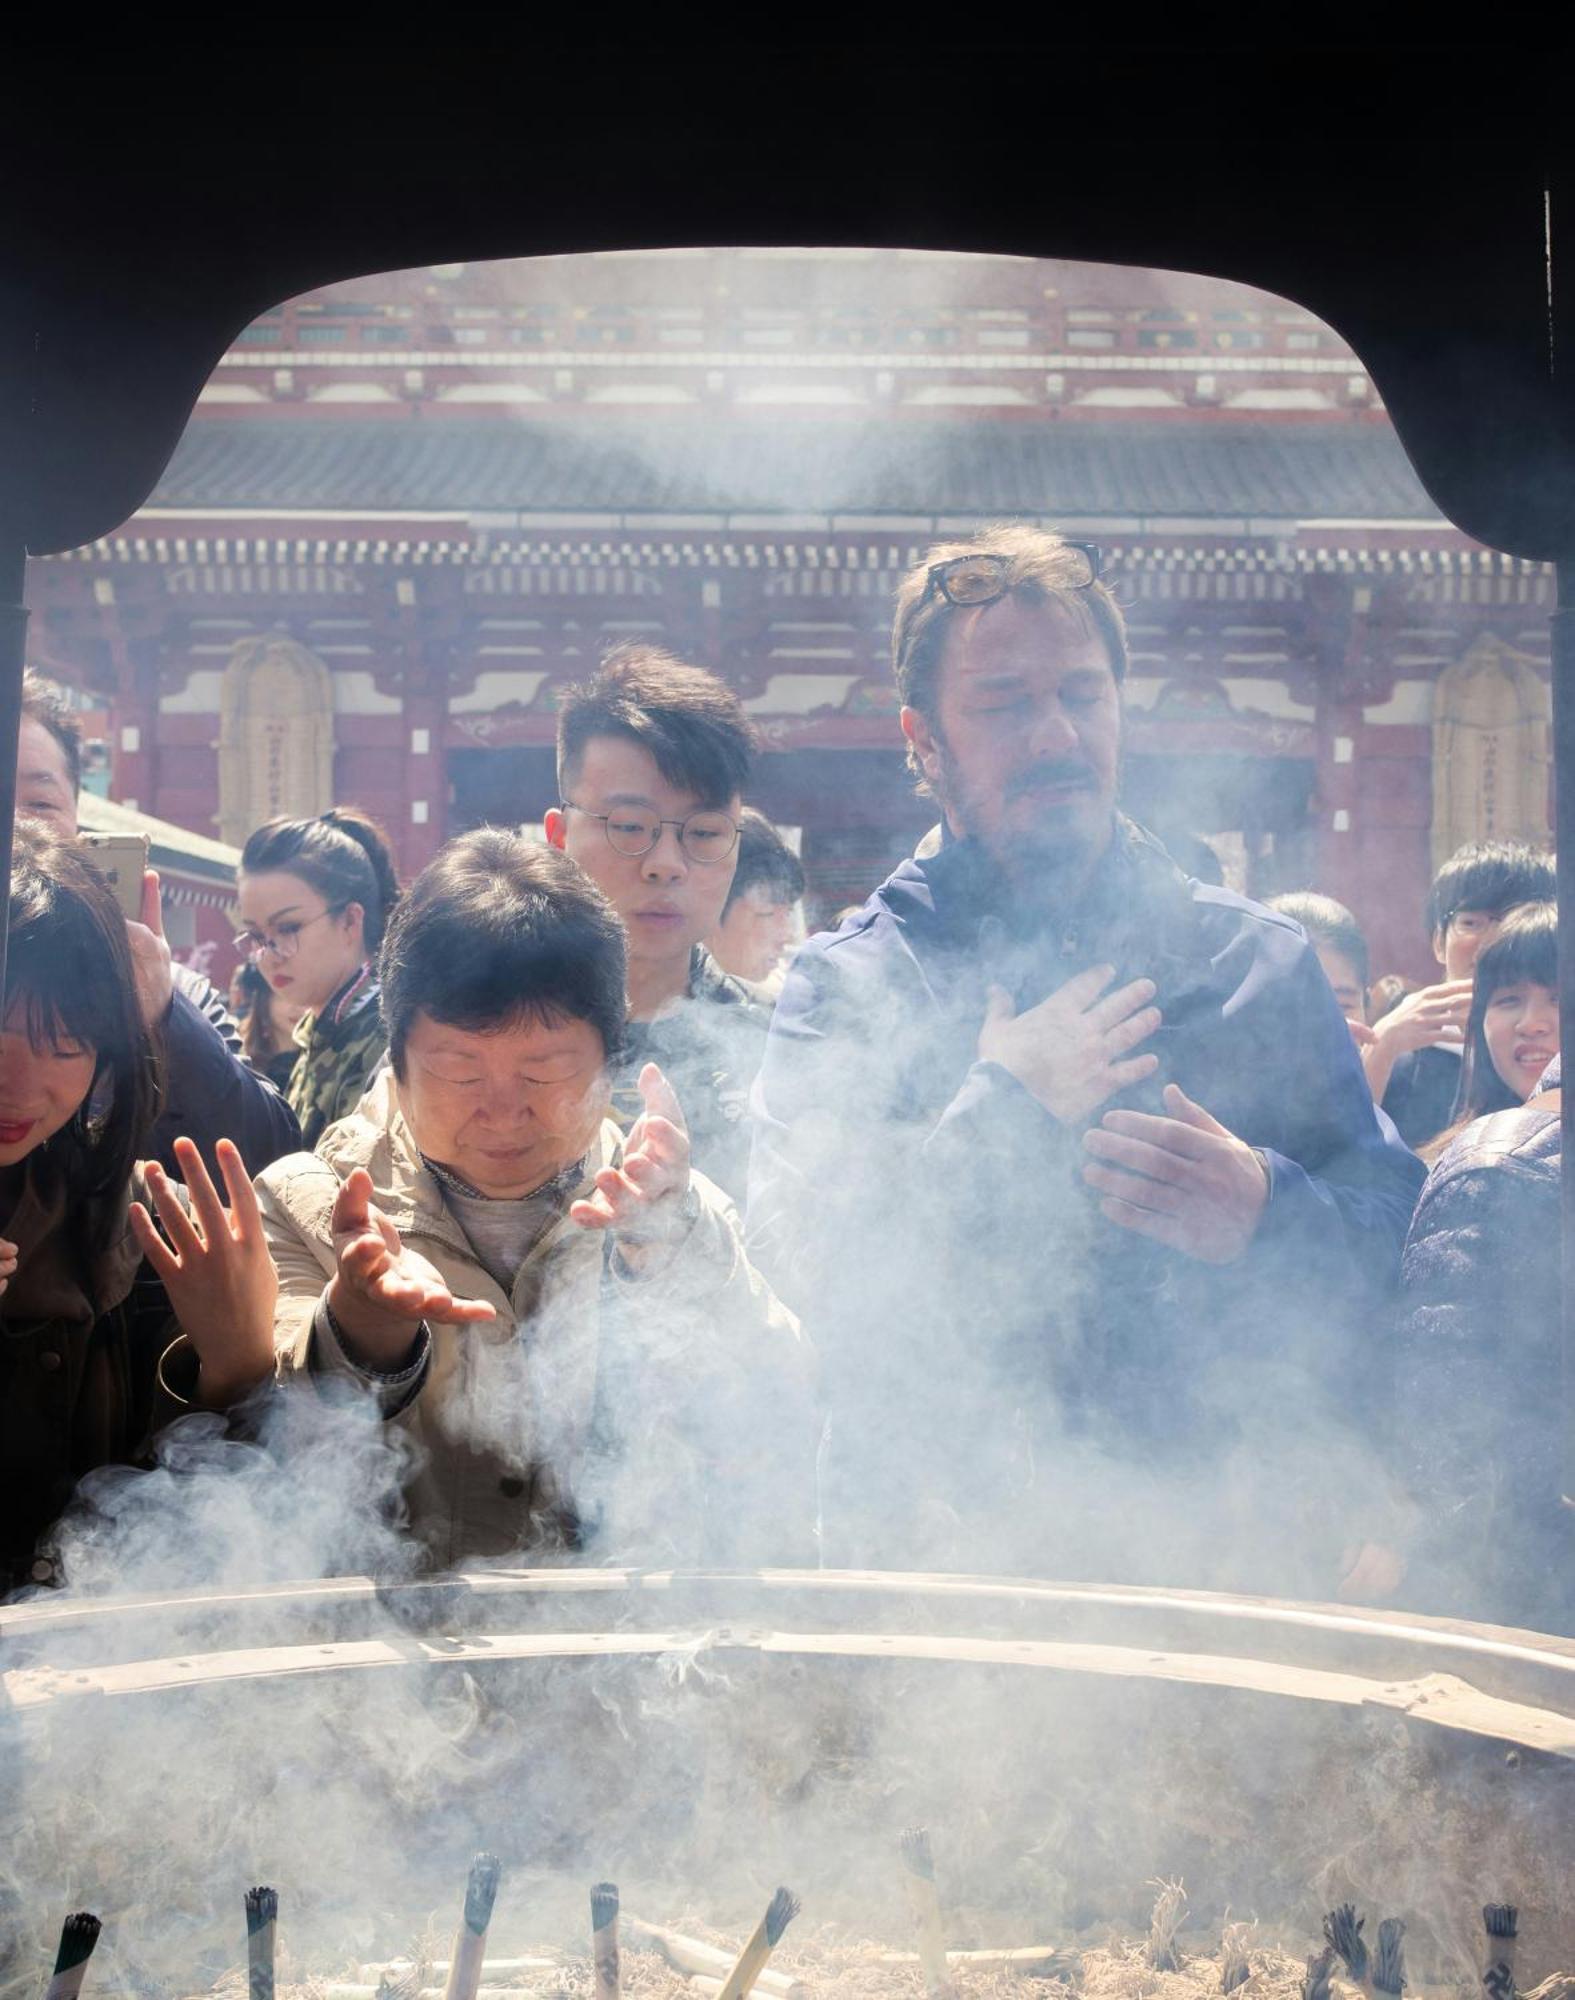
[[1043, 776]]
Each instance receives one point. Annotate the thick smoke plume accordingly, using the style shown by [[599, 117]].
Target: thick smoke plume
[[700, 1766]]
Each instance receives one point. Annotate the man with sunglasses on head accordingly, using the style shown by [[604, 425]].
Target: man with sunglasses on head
[[1055, 1144], [653, 759]]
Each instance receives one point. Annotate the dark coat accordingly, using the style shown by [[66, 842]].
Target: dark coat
[[1421, 1092], [79, 1355], [211, 1093], [925, 1215], [1479, 1400]]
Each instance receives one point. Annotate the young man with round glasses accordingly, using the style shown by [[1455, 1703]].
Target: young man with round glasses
[[653, 759], [1064, 1158]]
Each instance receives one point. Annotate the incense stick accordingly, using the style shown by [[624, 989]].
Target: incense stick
[[78, 1936], [604, 1940], [1389, 1959], [1501, 1921], [1043, 1960], [398, 1968], [710, 1984], [470, 1940], [689, 1955], [360, 1990], [783, 1908], [924, 1901], [262, 1916]]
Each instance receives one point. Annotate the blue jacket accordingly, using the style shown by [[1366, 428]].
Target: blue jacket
[[925, 1214], [1479, 1406]]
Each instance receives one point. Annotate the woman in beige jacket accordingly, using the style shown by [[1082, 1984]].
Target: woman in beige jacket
[[561, 1321]]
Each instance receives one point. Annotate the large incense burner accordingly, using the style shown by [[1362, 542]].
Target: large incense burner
[[1076, 1752]]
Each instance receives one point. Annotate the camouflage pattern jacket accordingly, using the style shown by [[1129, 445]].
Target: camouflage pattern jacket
[[340, 1046]]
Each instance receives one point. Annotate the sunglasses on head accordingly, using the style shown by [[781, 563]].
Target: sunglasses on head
[[981, 579]]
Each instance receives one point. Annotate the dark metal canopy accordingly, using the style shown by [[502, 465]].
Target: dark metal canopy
[[1400, 193], [1412, 196]]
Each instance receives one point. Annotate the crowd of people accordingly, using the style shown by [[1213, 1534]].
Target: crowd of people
[[1058, 1210]]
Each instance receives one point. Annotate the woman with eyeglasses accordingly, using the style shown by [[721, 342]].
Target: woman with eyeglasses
[[315, 896]]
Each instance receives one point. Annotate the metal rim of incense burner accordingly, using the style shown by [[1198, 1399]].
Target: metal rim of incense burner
[[1513, 1687]]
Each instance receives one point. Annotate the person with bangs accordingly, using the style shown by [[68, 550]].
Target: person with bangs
[[760, 916], [210, 1090], [1065, 1157], [653, 758], [1413, 1060], [1482, 1531], [315, 896], [557, 1316], [92, 1298], [1512, 1026]]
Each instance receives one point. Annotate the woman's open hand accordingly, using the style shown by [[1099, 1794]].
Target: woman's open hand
[[382, 1289], [215, 1267], [641, 1199]]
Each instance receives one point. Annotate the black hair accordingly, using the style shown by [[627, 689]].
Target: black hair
[[46, 704], [1490, 875], [341, 854], [497, 927], [259, 1044], [1525, 951], [764, 859], [1326, 922], [69, 977], [690, 721]]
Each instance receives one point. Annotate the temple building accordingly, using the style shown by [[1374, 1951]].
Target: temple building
[[409, 509]]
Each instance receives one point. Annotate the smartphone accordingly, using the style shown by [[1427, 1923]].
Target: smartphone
[[122, 860]]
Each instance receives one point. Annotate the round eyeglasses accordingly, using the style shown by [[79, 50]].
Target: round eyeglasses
[[285, 942], [981, 579], [705, 837]]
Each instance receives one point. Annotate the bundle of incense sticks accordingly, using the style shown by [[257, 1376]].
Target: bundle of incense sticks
[[1235, 1965], [1501, 1921], [78, 1936], [782, 1909], [1342, 1929], [1170, 1906], [470, 1940], [262, 1917], [604, 1940], [1316, 1985], [1389, 1959], [924, 1901]]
